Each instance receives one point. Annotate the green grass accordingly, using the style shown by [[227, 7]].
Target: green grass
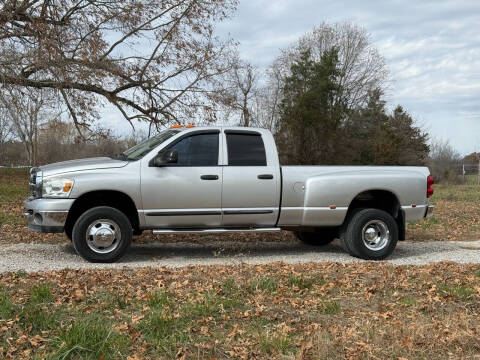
[[426, 223], [276, 343], [229, 287], [7, 307], [90, 337], [458, 291], [166, 324], [11, 219], [267, 284], [41, 293], [109, 301], [159, 299], [8, 172], [12, 192], [457, 193], [20, 274], [329, 308], [38, 318], [407, 301], [164, 331], [34, 314], [477, 274], [471, 180], [305, 282]]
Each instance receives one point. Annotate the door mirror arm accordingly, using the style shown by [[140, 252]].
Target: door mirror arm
[[164, 158]]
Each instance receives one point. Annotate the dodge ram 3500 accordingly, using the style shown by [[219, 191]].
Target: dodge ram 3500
[[223, 179]]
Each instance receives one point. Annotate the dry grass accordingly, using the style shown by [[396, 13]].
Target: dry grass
[[457, 215], [279, 311]]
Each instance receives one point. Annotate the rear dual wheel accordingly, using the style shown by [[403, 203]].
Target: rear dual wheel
[[371, 234]]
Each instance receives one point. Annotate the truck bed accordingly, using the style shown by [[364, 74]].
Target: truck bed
[[321, 195]]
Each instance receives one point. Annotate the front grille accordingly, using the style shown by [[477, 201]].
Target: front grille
[[33, 185]]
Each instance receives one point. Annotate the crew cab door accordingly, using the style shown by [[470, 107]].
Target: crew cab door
[[251, 180], [186, 194]]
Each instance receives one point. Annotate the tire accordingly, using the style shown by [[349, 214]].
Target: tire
[[371, 234], [109, 234], [320, 237], [68, 233]]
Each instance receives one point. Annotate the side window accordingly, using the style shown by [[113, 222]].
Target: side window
[[246, 150], [197, 150]]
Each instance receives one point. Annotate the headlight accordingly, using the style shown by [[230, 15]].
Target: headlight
[[57, 187]]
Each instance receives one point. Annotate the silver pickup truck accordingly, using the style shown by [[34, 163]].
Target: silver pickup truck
[[223, 179]]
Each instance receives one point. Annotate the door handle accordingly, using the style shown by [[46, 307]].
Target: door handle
[[209, 177], [265, 177]]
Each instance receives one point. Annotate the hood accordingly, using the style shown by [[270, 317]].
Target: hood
[[82, 164]]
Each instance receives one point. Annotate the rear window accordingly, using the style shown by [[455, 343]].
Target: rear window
[[246, 150]]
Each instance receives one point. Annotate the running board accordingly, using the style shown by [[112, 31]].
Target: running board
[[205, 231]]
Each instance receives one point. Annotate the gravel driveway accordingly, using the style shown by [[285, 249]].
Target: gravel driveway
[[41, 257]]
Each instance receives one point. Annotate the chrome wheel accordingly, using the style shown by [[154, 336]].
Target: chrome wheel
[[103, 236], [375, 235]]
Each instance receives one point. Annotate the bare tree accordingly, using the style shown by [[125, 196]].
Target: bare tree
[[6, 132], [26, 111], [444, 161], [237, 92], [153, 60], [268, 99]]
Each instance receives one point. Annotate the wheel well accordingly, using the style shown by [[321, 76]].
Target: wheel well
[[383, 200], [115, 199]]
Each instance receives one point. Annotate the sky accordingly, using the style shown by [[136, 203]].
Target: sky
[[432, 50]]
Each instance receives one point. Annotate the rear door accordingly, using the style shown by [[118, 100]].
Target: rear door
[[251, 181]]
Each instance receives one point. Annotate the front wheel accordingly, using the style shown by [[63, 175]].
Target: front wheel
[[371, 234], [102, 234]]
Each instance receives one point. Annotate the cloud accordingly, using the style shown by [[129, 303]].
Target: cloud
[[432, 50]]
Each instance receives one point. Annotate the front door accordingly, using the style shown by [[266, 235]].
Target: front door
[[251, 182], [186, 194]]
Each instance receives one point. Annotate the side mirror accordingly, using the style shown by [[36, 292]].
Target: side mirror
[[164, 158]]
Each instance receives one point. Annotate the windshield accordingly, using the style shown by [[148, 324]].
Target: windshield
[[140, 150]]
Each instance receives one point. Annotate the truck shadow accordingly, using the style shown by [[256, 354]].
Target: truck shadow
[[212, 252]]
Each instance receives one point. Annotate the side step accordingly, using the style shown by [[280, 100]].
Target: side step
[[205, 231]]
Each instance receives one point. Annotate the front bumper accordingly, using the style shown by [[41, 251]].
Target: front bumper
[[47, 215], [429, 211]]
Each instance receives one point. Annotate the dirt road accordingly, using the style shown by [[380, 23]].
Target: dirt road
[[41, 257]]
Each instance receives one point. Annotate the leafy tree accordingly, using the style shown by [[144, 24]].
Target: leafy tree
[[311, 112], [379, 138]]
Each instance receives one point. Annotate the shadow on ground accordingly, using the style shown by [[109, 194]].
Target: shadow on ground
[[277, 251]]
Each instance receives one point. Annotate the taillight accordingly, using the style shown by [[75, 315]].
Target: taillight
[[430, 182]]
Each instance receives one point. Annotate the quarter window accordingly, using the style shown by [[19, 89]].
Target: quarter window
[[197, 150], [246, 150]]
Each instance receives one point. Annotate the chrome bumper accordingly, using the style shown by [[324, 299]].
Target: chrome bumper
[[47, 215], [429, 212]]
